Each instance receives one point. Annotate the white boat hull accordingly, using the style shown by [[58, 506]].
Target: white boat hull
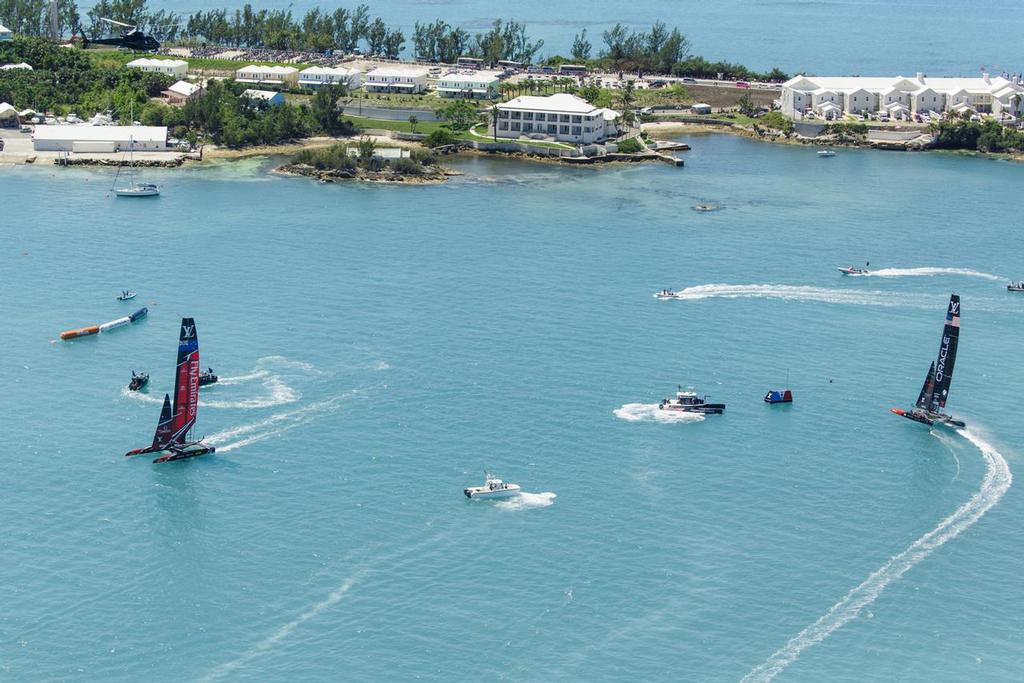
[[137, 192], [483, 493]]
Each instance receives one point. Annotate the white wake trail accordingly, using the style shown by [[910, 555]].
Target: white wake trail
[[273, 425], [802, 293], [996, 482], [526, 501], [649, 412], [931, 272]]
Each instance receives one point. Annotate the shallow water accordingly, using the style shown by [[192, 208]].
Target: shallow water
[[382, 346]]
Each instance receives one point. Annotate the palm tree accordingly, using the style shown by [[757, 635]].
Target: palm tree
[[627, 97], [494, 121], [413, 121]]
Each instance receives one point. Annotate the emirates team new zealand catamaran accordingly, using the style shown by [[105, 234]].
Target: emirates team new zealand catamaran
[[932, 399], [175, 426]]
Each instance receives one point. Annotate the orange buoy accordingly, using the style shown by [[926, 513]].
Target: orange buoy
[[80, 332]]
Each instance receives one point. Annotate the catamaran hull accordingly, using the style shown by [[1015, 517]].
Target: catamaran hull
[[928, 418], [185, 455]]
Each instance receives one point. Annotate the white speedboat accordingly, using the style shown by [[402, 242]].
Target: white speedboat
[[492, 488], [826, 153], [853, 270], [138, 190], [126, 295], [665, 294]]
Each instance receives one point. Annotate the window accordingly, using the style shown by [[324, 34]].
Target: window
[[517, 115], [528, 116], [577, 119], [565, 118], [552, 129], [515, 125], [575, 130], [564, 130], [503, 125]]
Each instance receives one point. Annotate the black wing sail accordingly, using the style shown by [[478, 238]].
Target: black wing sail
[[925, 397], [163, 427], [947, 355]]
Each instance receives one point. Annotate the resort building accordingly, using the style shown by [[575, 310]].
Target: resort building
[[562, 117], [170, 67], [832, 97], [182, 92], [406, 79], [271, 97], [268, 75], [475, 85], [316, 76], [6, 33], [99, 139]]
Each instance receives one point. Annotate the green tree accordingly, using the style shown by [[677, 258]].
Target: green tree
[[581, 47], [459, 115], [325, 107], [442, 137], [746, 105], [413, 121]]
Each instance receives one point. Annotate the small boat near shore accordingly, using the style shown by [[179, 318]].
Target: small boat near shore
[[690, 402], [492, 488], [826, 153], [139, 381]]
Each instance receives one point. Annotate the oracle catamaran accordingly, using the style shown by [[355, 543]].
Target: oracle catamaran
[[173, 431], [932, 399]]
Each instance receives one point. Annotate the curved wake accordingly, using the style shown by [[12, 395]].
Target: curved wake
[[649, 412], [996, 482], [803, 293], [932, 271], [274, 425]]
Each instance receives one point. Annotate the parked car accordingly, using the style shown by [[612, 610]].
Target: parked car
[[691, 81], [742, 84]]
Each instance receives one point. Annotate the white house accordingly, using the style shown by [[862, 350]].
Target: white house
[[270, 75], [407, 79], [475, 85], [6, 33], [99, 139], [563, 117], [316, 76], [900, 96], [271, 97], [182, 92], [8, 115], [170, 67], [19, 65]]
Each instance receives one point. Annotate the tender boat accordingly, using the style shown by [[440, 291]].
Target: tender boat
[[1015, 286], [207, 377], [125, 295], [138, 381], [826, 153], [665, 294], [853, 270], [492, 488], [690, 402]]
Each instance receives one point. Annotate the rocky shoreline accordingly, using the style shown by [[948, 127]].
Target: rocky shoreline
[[431, 175]]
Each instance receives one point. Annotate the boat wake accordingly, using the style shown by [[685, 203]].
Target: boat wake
[[930, 272], [649, 412], [803, 293], [996, 482], [274, 425], [527, 501], [278, 393]]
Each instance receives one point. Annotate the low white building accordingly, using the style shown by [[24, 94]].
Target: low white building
[[271, 97], [270, 75], [562, 117], [6, 33], [8, 115], [183, 91], [475, 85], [835, 96], [99, 139], [19, 65], [405, 79], [170, 67], [316, 76]]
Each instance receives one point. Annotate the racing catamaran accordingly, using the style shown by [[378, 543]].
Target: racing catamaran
[[935, 391], [175, 426]]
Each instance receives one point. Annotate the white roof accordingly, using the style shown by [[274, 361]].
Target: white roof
[[185, 88], [562, 103], [102, 133], [261, 94], [328, 71], [396, 70], [146, 61], [6, 109], [279, 70], [19, 65], [609, 114], [470, 79], [4, 29], [884, 83]]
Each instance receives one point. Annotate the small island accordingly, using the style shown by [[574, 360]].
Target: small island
[[366, 161]]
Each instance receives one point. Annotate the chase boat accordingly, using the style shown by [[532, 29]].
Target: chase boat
[[207, 377], [138, 381], [125, 295], [492, 488], [665, 294], [854, 270], [1015, 286], [689, 402]]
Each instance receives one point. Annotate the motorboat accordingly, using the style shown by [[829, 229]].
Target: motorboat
[[690, 402], [139, 381], [492, 488], [125, 295], [705, 207], [665, 294], [207, 377], [826, 153], [853, 270], [138, 190], [778, 396], [1015, 286]]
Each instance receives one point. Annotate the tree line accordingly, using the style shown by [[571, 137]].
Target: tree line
[[506, 40]]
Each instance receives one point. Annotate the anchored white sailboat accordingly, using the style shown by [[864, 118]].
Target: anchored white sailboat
[[133, 189]]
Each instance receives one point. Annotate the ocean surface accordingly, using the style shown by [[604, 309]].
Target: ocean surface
[[842, 37], [380, 347]]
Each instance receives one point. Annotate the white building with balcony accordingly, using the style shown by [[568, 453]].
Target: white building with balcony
[[481, 85], [316, 76], [562, 117], [268, 75], [902, 97], [396, 78], [169, 67]]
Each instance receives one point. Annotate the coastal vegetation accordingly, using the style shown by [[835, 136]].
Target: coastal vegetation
[[983, 136], [365, 160]]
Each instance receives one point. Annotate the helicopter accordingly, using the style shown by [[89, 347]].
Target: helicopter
[[131, 38]]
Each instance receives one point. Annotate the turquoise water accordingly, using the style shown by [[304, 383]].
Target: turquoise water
[[809, 36], [381, 346]]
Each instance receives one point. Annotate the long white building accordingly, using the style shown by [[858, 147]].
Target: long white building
[[562, 117], [405, 79], [316, 76], [476, 85], [170, 67], [99, 139], [269, 75], [831, 97]]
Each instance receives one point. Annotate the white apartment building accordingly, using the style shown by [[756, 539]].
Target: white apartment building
[[170, 67], [405, 79], [562, 117], [316, 76], [831, 97], [475, 85], [270, 75]]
